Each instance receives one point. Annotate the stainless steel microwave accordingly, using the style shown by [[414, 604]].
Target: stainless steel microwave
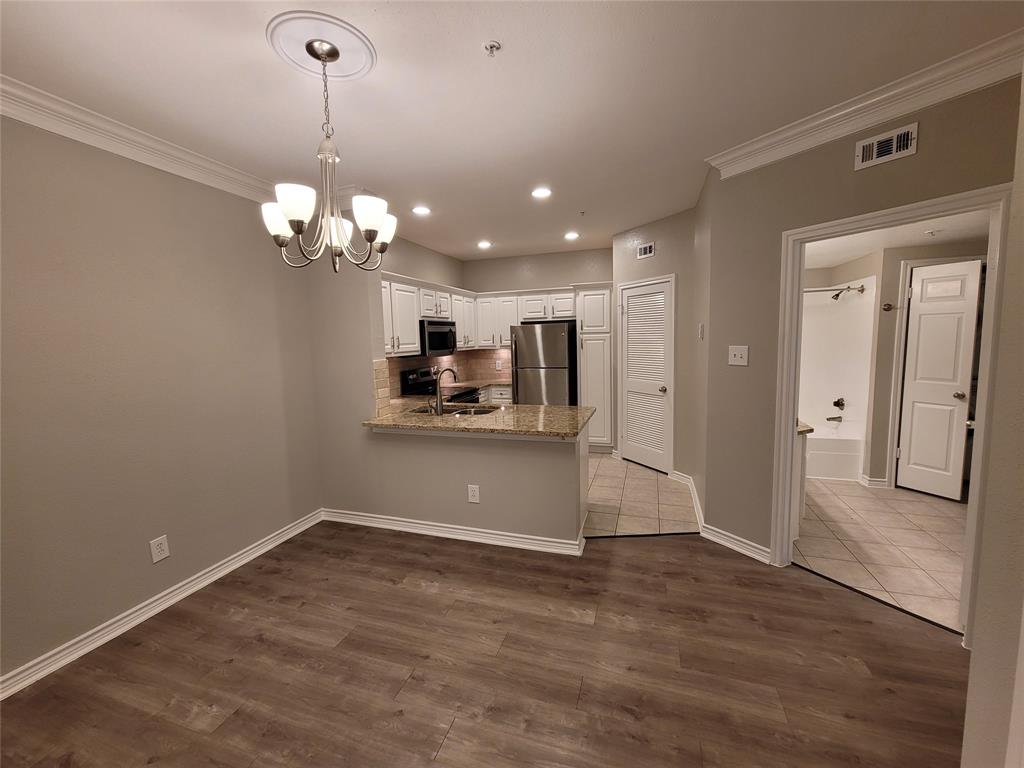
[[437, 338]]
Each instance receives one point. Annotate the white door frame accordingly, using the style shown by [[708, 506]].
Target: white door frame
[[620, 381], [993, 199], [899, 355]]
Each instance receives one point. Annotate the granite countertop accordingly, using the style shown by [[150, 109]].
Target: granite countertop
[[803, 428], [563, 421]]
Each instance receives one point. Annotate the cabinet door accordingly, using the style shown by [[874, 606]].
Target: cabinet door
[[594, 311], [596, 383], [562, 305], [428, 302], [470, 322], [444, 304], [508, 315], [459, 316], [487, 322], [389, 324], [405, 311], [533, 307]]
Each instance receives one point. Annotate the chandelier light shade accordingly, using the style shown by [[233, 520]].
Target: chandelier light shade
[[296, 209]]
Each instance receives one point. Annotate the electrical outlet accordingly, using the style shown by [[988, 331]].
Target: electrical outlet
[[474, 494], [497, 365], [738, 355], [159, 548]]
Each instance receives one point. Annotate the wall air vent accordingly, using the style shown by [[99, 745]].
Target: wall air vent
[[885, 147], [645, 251]]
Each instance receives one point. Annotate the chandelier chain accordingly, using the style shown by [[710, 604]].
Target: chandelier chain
[[328, 129]]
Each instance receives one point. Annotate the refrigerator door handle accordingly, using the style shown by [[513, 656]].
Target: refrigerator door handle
[[515, 372]]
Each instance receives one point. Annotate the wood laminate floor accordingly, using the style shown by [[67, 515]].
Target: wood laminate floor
[[350, 646]]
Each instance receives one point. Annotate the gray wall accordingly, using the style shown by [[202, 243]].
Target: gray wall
[[414, 260], [676, 254], [544, 270], [156, 380], [999, 553], [749, 213]]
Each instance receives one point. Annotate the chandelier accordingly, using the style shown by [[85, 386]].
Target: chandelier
[[288, 219]]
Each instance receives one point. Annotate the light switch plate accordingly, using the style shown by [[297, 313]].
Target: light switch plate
[[738, 355]]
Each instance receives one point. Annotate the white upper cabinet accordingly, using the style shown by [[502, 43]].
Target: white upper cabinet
[[435, 303], [444, 305], [562, 305], [463, 312], [459, 316], [405, 318], [389, 324], [428, 302], [470, 321], [534, 307], [507, 316], [487, 321], [593, 311]]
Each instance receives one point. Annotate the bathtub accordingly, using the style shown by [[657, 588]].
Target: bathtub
[[835, 452]]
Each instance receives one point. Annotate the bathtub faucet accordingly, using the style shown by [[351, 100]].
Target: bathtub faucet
[[834, 418]]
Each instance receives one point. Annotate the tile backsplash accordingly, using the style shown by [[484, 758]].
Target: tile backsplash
[[470, 365]]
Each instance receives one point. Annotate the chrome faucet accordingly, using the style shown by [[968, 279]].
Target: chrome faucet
[[439, 403]]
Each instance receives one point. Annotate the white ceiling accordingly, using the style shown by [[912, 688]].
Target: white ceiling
[[947, 229], [613, 105]]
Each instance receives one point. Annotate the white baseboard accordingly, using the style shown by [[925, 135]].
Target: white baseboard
[[53, 660], [601, 448], [616, 454], [717, 535], [688, 482], [465, 533], [874, 482], [744, 547]]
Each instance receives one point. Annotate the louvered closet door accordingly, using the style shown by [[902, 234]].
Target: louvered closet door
[[647, 323]]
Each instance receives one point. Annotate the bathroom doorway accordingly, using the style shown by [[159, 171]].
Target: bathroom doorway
[[853, 514]]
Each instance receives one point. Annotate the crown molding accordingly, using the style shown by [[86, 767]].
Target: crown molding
[[990, 63], [31, 105]]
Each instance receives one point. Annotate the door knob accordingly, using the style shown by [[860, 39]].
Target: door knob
[[960, 395], [663, 390]]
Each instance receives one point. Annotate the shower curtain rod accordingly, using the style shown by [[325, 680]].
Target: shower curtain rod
[[858, 289]]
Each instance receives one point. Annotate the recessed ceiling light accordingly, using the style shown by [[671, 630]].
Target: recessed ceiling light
[[541, 193], [421, 210], [483, 245], [572, 235]]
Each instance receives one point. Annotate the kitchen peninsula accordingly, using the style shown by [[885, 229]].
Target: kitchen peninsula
[[528, 464]]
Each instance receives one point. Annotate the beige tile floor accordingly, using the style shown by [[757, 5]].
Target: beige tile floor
[[901, 546], [626, 499]]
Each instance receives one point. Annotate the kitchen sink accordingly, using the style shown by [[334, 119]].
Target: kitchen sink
[[459, 409]]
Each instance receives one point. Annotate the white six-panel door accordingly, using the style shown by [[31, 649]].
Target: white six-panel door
[[647, 381], [937, 375]]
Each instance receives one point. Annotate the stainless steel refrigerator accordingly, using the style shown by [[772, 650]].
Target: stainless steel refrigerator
[[544, 363]]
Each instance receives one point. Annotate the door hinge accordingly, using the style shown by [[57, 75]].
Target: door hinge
[[898, 452]]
